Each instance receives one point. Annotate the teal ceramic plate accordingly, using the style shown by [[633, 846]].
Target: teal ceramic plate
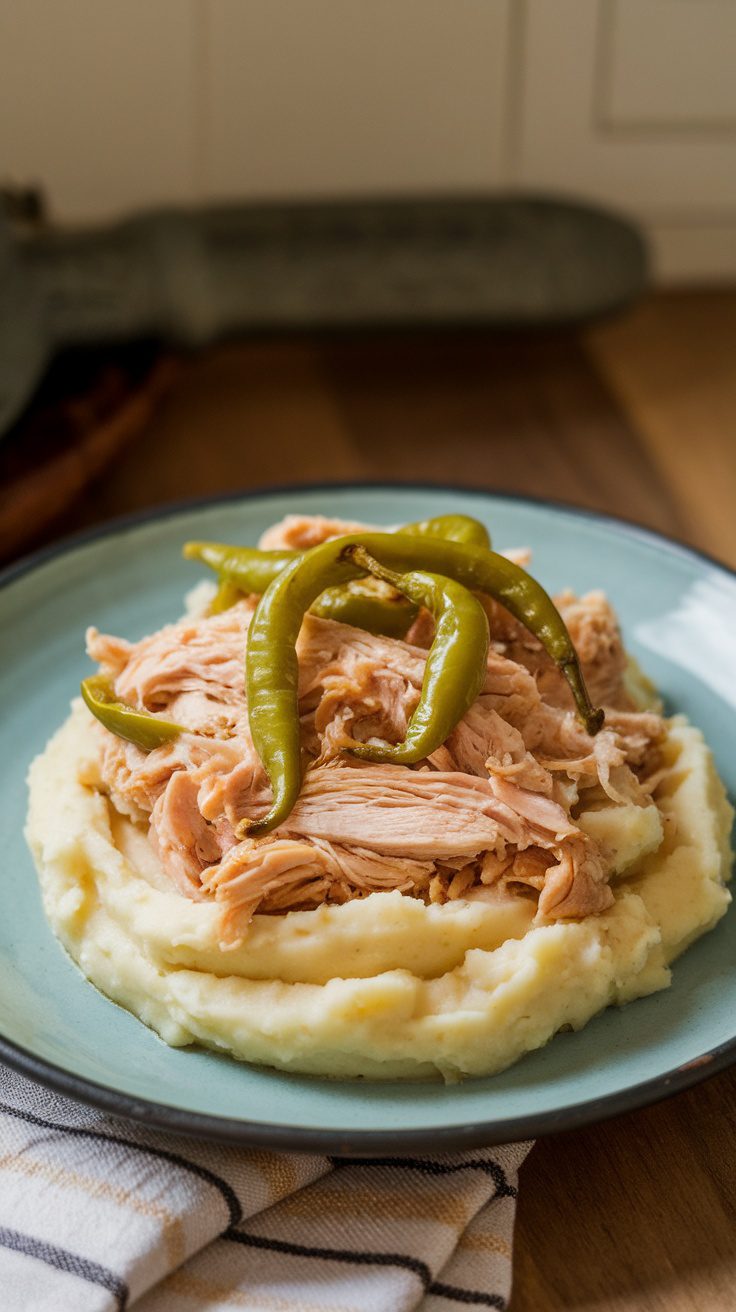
[[679, 617]]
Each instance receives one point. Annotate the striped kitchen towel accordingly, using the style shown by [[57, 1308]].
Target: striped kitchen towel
[[100, 1215]]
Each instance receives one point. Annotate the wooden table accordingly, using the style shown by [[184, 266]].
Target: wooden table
[[636, 416]]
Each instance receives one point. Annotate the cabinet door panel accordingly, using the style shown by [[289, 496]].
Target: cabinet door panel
[[668, 65], [600, 112], [565, 140]]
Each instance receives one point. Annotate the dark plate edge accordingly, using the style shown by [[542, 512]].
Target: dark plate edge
[[170, 509], [359, 1142], [368, 1143]]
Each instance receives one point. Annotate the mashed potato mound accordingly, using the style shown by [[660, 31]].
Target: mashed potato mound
[[386, 986]]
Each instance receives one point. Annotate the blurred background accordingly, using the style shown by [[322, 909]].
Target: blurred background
[[112, 106], [144, 359]]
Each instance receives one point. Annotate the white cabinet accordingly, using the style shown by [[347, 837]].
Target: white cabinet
[[96, 102], [116, 104], [633, 102], [667, 66], [339, 97]]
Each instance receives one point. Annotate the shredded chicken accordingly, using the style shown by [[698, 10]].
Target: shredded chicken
[[494, 805], [594, 630], [299, 532]]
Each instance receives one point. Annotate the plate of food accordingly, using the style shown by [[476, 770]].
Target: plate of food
[[331, 826]]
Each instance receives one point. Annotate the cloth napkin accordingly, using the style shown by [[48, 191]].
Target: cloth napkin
[[100, 1215]]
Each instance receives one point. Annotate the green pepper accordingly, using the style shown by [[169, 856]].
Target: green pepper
[[272, 668], [226, 596], [243, 570], [362, 606], [139, 727], [456, 665], [453, 528], [247, 568]]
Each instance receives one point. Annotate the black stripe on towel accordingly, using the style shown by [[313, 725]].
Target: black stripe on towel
[[496, 1172], [80, 1132], [361, 1258], [414, 1264], [63, 1260], [458, 1295]]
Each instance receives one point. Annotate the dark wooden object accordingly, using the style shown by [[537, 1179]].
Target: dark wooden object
[[190, 277], [88, 407]]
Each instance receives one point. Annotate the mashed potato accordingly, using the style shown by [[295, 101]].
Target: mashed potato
[[385, 986]]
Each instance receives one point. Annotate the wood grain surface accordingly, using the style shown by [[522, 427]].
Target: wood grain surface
[[636, 416], [88, 406]]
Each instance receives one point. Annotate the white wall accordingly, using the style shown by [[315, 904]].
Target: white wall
[[114, 104]]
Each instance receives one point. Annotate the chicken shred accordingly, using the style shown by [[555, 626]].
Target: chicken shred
[[493, 806]]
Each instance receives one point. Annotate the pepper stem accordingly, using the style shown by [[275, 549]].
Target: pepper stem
[[592, 717], [366, 561]]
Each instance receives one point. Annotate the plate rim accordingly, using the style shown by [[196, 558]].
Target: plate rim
[[289, 1138]]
